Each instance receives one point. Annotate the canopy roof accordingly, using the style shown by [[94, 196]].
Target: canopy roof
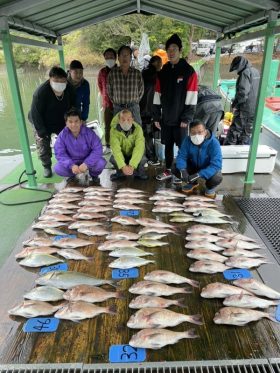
[[51, 18]]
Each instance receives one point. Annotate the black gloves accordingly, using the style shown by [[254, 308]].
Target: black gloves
[[193, 178]]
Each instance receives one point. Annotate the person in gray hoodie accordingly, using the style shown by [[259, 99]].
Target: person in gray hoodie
[[244, 102]]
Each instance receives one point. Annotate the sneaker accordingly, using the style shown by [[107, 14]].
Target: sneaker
[[117, 176], [210, 194], [47, 172], [164, 176], [154, 163], [189, 188], [106, 150], [141, 176], [176, 180], [146, 165]]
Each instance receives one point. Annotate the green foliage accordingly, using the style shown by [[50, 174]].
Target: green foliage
[[89, 43]]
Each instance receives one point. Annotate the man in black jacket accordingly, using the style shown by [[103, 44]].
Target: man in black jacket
[[51, 101], [176, 95], [244, 103]]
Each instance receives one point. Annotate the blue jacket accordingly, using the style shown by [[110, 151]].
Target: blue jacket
[[82, 98], [205, 159]]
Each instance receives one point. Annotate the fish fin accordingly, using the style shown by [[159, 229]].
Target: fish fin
[[193, 283], [156, 346], [112, 310], [271, 316], [179, 303], [114, 283], [191, 333], [186, 290], [196, 319], [89, 259], [120, 295]]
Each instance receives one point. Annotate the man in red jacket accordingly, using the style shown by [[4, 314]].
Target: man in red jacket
[[175, 101]]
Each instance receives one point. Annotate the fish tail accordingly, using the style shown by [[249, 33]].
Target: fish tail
[[179, 303], [191, 333], [195, 319], [114, 283], [271, 316], [120, 295], [112, 310], [193, 283], [89, 259], [186, 290]]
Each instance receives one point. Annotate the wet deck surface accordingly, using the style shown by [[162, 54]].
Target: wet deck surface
[[89, 340]]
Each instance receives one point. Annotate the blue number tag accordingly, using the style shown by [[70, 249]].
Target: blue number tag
[[56, 238], [129, 212], [57, 267], [126, 354], [125, 273], [41, 325], [237, 274], [277, 314]]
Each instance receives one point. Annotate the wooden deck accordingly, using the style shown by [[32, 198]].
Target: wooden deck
[[89, 340]]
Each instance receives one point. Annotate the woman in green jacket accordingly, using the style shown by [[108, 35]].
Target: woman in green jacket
[[127, 143]]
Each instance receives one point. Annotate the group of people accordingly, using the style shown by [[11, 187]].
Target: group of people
[[163, 98]]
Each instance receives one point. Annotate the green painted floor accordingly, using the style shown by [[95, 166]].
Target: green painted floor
[[15, 220]]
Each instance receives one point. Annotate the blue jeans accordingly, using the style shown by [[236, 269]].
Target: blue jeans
[[133, 107]]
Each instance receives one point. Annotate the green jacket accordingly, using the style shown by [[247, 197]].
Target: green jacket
[[130, 144]]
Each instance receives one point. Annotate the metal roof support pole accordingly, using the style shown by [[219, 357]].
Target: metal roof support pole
[[60, 52], [268, 52], [217, 65], [13, 81]]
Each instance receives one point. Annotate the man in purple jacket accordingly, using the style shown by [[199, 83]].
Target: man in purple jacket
[[78, 149]]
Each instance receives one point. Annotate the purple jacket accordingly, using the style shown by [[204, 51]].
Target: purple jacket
[[86, 148]]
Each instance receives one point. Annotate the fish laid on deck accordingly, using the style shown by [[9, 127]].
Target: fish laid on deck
[[69, 279], [93, 231], [243, 253], [160, 318], [48, 224], [235, 235], [151, 243], [84, 223], [35, 250], [158, 338], [126, 262], [249, 301], [231, 243], [240, 316], [202, 237], [122, 235], [91, 294], [55, 217], [207, 266], [221, 290], [156, 230], [126, 206], [192, 245], [38, 241], [76, 311], [131, 251], [148, 222], [124, 220], [147, 301], [204, 254], [73, 254], [167, 277], [244, 262], [33, 308], [45, 294], [90, 215], [113, 244], [39, 260], [156, 288], [167, 209], [201, 228], [71, 243], [257, 287]]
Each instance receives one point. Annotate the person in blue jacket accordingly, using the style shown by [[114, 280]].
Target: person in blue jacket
[[200, 156], [81, 85]]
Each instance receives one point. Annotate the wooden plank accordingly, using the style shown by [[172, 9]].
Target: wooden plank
[[89, 340]]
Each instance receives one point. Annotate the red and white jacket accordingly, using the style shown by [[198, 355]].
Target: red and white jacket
[[175, 95]]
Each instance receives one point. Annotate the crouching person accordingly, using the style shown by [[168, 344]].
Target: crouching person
[[200, 156], [78, 149], [128, 146]]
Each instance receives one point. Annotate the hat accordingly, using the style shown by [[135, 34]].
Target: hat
[[75, 64], [174, 39]]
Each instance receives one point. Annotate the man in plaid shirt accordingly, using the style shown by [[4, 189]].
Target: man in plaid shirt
[[125, 85]]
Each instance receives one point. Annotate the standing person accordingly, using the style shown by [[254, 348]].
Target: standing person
[[125, 85], [146, 108], [200, 156], [81, 85], [162, 54], [110, 57], [174, 102], [50, 102], [128, 146], [244, 103], [78, 149], [134, 60]]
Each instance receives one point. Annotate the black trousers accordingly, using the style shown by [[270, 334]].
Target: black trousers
[[148, 130], [171, 135], [240, 131], [139, 170], [210, 183]]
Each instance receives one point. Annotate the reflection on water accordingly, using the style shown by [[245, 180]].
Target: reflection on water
[[28, 82]]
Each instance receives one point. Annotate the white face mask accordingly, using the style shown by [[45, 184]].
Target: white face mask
[[197, 139], [126, 126], [58, 87], [110, 63]]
